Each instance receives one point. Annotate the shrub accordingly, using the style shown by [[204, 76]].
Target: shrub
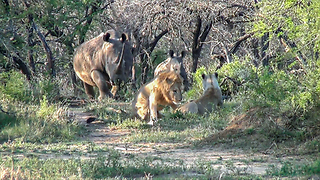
[[46, 86], [13, 85], [241, 72], [158, 56], [289, 90], [197, 86], [45, 110]]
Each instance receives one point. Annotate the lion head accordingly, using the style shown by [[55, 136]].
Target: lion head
[[170, 85], [211, 97], [210, 81]]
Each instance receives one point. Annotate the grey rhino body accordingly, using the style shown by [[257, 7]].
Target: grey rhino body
[[104, 61]]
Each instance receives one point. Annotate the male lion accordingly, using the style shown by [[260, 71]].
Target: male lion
[[163, 90], [211, 97]]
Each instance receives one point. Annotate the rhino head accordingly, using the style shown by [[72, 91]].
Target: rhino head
[[183, 72], [118, 57]]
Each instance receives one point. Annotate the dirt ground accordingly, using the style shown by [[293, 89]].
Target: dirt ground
[[229, 160]]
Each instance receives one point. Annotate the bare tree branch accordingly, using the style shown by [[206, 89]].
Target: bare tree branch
[[236, 45], [48, 51], [156, 39]]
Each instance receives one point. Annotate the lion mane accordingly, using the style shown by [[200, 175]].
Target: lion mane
[[163, 90], [211, 97]]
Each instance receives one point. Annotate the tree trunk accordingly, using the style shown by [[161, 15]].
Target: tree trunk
[[198, 40], [264, 47], [255, 46], [30, 38], [30, 44], [85, 28], [226, 57]]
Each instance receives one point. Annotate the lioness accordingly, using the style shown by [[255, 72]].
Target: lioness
[[163, 90], [211, 97]]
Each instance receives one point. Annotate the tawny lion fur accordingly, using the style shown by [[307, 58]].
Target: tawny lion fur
[[211, 98], [163, 90]]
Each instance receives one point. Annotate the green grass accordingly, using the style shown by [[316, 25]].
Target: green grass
[[292, 169], [72, 159], [112, 164], [109, 164], [41, 141], [172, 128], [43, 123]]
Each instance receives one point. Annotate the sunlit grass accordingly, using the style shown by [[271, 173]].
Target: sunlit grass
[[109, 164], [291, 169], [173, 127], [44, 123]]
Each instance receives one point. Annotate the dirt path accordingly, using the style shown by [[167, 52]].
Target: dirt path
[[227, 160]]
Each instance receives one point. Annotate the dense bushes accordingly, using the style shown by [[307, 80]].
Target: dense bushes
[[287, 92]]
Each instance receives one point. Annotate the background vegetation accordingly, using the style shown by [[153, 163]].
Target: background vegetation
[[266, 54]]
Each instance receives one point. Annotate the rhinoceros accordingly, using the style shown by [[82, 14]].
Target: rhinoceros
[[104, 61], [174, 63]]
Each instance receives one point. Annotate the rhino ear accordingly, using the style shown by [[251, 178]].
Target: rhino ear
[[183, 53], [203, 76], [124, 37], [171, 53], [106, 37]]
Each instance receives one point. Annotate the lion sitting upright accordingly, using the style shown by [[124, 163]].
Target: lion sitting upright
[[211, 97], [163, 90]]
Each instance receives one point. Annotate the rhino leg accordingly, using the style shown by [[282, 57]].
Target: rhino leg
[[89, 90], [100, 81]]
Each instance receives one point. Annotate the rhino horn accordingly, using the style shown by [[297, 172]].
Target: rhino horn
[[124, 37], [121, 58]]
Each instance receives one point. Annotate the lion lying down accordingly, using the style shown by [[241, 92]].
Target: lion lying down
[[163, 90], [209, 100]]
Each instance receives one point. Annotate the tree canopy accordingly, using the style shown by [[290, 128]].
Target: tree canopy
[[39, 37]]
